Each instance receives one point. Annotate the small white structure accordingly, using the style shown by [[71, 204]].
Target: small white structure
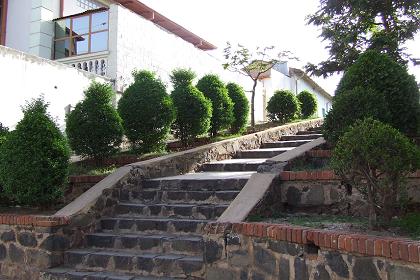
[[108, 38], [281, 77]]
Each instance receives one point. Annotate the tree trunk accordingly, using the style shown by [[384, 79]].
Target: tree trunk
[[253, 104], [372, 211]]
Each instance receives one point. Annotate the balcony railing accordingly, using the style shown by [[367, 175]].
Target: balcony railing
[[94, 63]]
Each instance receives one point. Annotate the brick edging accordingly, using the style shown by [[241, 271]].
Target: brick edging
[[33, 220], [321, 175], [78, 179], [363, 244], [319, 153]]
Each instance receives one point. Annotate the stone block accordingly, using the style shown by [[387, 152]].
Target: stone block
[[337, 264], [216, 273], [364, 268], [265, 259], [55, 243], [27, 239], [16, 254], [284, 269], [8, 236], [212, 251], [3, 252], [301, 269], [396, 272]]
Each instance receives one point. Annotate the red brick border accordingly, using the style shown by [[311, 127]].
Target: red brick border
[[32, 220], [319, 153], [367, 245], [320, 175], [80, 179]]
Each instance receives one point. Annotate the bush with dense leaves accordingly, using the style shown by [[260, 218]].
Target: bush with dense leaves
[[193, 109], [308, 103], [214, 89], [240, 107], [147, 112], [283, 106], [352, 105], [376, 158], [34, 159], [94, 128], [382, 74]]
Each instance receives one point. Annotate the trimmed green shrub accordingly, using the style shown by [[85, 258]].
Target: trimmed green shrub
[[214, 89], [382, 74], [308, 103], [193, 109], [351, 105], [94, 128], [283, 106], [147, 112], [240, 107], [34, 159], [376, 158]]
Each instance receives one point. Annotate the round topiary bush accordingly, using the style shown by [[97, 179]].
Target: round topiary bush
[[240, 107], [193, 109], [308, 103], [214, 89], [352, 105], [34, 159], [283, 106], [382, 74], [94, 128], [376, 158], [147, 112]]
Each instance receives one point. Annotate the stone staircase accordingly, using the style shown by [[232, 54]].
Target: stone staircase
[[156, 232]]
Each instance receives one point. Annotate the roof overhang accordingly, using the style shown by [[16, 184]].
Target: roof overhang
[[302, 75], [162, 21]]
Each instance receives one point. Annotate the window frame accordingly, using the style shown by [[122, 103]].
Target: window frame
[[3, 11], [71, 36]]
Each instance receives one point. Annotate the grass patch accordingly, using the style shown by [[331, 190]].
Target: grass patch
[[77, 169], [409, 224]]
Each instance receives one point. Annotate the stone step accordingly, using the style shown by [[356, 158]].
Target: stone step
[[142, 264], [63, 273], [301, 137], [310, 131], [150, 243], [238, 164], [211, 181], [282, 144], [196, 211], [262, 153], [152, 225], [178, 196]]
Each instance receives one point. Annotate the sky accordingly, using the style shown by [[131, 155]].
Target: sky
[[279, 23]]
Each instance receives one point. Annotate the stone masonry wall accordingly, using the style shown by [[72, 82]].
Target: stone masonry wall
[[265, 252]]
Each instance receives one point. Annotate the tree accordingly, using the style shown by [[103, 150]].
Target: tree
[[94, 128], [376, 158], [283, 106], [147, 112], [253, 65], [240, 107], [34, 159], [193, 109], [353, 26], [215, 90], [376, 71], [308, 103]]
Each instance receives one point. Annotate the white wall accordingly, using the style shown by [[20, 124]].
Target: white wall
[[143, 45], [24, 76], [18, 24]]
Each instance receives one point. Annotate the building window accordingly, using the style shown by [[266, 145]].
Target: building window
[[81, 34], [3, 11], [88, 4]]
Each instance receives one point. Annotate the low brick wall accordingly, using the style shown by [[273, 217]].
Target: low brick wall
[[267, 251]]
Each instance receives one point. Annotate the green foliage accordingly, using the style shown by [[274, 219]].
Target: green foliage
[[283, 106], [353, 26], [214, 89], [308, 103], [382, 74], [147, 112], [352, 105], [410, 224], [240, 107], [193, 109], [34, 159], [375, 158], [94, 128]]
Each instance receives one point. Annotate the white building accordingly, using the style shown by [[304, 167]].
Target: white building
[[109, 38]]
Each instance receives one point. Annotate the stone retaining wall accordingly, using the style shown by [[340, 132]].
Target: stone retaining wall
[[266, 251]]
